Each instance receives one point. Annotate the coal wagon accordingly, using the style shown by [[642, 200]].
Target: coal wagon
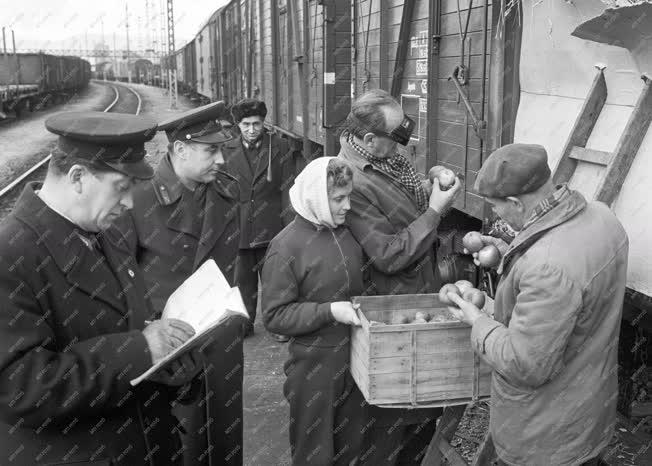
[[34, 80]]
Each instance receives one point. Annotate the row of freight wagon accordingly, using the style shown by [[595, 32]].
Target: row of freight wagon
[[34, 80], [474, 75]]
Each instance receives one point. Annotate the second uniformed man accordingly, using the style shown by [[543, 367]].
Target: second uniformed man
[[186, 215]]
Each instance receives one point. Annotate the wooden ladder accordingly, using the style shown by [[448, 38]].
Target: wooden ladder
[[617, 165]]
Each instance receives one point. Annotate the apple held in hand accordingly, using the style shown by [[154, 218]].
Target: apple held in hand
[[474, 296], [443, 293], [472, 241], [434, 172], [445, 176], [489, 256], [463, 285], [446, 179]]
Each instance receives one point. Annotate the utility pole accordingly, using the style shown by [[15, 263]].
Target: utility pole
[[162, 47], [127, 28], [103, 52], [115, 59], [172, 65]]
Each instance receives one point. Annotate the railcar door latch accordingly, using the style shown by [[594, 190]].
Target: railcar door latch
[[479, 125]]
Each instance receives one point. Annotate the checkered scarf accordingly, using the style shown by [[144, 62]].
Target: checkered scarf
[[547, 204], [398, 167]]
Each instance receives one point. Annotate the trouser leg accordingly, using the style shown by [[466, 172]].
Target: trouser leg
[[396, 444], [249, 261], [213, 417], [324, 425]]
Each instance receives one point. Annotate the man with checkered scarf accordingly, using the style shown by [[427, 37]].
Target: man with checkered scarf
[[394, 218]]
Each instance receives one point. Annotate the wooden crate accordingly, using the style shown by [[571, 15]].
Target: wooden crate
[[414, 365]]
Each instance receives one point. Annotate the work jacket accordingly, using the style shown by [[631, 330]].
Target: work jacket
[[396, 237], [264, 204], [71, 339], [554, 343]]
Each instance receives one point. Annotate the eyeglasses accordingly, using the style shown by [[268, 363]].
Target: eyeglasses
[[400, 134]]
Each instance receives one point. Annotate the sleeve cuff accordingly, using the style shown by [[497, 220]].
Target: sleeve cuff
[[324, 312], [482, 328], [432, 217]]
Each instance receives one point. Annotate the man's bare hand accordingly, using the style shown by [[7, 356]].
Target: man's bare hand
[[464, 310], [181, 370], [440, 201], [501, 245], [165, 335], [345, 313]]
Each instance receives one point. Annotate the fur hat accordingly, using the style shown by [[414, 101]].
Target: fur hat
[[248, 108]]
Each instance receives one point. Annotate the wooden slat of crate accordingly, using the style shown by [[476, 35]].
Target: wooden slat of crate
[[431, 363]]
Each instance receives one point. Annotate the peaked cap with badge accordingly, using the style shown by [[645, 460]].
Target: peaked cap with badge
[[71, 323], [109, 140], [203, 124]]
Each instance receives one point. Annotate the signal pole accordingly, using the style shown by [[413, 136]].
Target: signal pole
[[127, 28], [172, 63]]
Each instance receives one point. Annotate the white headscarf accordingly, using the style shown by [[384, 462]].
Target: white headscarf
[[309, 194]]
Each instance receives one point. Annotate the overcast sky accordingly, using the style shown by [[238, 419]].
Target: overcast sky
[[54, 24]]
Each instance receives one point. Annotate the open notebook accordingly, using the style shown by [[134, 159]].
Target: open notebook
[[204, 301]]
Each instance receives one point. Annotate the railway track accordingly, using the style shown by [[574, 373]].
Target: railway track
[[126, 100]]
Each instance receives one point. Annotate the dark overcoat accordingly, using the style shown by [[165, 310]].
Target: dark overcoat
[[171, 235], [70, 342], [264, 205]]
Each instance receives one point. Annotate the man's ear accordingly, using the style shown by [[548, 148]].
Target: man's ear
[[180, 149], [516, 203], [75, 176], [369, 140]]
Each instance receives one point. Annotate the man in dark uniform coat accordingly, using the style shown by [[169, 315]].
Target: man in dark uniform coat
[[263, 165], [72, 322], [187, 214]]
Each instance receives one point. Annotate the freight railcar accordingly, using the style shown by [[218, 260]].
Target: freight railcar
[[33, 80], [468, 73], [474, 75]]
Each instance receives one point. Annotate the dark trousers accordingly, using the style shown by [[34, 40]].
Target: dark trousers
[[212, 417], [249, 262], [398, 444], [326, 407]]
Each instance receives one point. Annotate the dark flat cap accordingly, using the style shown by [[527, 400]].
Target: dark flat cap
[[512, 170], [248, 108], [201, 124], [113, 139]]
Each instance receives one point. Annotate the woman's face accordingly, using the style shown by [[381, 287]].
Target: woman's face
[[339, 202]]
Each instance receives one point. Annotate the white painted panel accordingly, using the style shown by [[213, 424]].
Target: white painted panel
[[556, 75]]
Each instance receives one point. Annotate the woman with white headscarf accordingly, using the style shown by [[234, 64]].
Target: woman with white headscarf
[[312, 269]]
